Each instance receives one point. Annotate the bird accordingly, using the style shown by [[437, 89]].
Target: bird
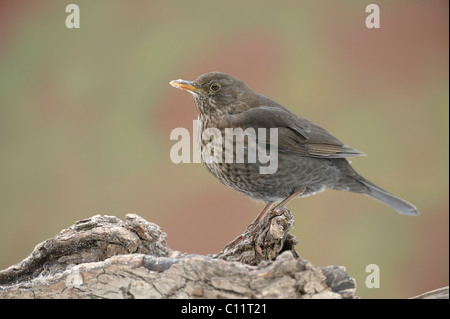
[[309, 158]]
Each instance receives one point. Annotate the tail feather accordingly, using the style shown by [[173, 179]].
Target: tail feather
[[400, 205]]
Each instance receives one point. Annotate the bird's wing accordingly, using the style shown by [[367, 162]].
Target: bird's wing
[[295, 135]]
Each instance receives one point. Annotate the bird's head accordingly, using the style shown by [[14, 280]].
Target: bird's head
[[217, 93]]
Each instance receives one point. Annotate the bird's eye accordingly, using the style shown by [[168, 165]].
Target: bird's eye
[[215, 87]]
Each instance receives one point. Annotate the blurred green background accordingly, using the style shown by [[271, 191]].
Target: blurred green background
[[86, 114]]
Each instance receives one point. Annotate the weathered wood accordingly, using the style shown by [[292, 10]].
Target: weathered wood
[[440, 293], [266, 242], [105, 257]]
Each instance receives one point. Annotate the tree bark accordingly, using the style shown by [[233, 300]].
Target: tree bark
[[105, 257]]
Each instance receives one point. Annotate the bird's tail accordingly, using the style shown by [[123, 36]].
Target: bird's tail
[[400, 205]]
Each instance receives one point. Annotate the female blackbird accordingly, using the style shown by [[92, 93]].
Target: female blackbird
[[309, 158]]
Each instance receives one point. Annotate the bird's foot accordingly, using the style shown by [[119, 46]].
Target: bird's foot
[[233, 243], [249, 232], [252, 228]]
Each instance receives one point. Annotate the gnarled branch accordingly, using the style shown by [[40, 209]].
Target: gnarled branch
[[105, 257]]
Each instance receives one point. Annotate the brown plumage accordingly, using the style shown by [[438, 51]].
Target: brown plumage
[[309, 158]]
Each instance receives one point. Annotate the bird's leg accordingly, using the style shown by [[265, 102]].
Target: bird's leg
[[251, 227], [260, 216], [289, 198], [254, 225]]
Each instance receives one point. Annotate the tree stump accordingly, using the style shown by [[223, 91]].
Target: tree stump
[[105, 257]]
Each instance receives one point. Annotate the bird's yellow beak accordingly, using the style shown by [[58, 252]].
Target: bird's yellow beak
[[184, 85]]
